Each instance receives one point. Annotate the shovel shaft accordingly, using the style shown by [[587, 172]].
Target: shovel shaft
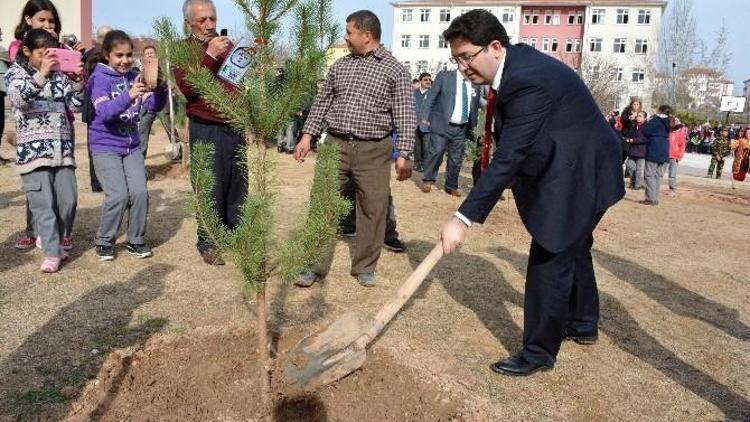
[[404, 293]]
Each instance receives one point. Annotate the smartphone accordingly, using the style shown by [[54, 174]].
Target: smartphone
[[224, 32], [68, 60], [150, 72]]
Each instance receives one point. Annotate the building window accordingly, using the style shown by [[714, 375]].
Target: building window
[[569, 46], [445, 15], [422, 66], [441, 42], [577, 47], [424, 41], [575, 18], [638, 76], [545, 44], [527, 18], [508, 16], [596, 44], [552, 17], [597, 16], [525, 41], [406, 41], [619, 45], [554, 45], [623, 15], [443, 66], [406, 15], [617, 74], [548, 17], [644, 17], [407, 66], [532, 42], [535, 17], [424, 15], [641, 46]]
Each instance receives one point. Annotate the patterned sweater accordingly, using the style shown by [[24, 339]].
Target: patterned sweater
[[43, 131]]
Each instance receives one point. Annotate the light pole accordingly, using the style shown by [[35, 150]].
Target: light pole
[[674, 86]]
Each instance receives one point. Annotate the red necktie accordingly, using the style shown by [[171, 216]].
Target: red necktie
[[487, 141]]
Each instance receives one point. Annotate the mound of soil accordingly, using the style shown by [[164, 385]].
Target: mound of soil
[[214, 376]]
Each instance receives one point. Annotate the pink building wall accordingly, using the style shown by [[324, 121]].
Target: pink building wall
[[561, 31]]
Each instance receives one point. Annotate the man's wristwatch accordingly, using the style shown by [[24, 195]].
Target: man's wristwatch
[[406, 155]]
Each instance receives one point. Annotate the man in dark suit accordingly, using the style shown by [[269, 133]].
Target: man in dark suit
[[421, 140], [450, 111], [562, 161]]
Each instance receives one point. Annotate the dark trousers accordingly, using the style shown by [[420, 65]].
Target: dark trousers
[[421, 143], [451, 142], [349, 223], [230, 187], [560, 294]]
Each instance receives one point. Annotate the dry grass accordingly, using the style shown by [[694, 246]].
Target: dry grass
[[674, 343]]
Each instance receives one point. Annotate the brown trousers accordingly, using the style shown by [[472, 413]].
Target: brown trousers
[[368, 165]]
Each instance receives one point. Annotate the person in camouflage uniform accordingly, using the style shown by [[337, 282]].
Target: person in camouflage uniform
[[719, 151]]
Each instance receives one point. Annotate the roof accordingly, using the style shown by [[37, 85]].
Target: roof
[[538, 3], [702, 70]]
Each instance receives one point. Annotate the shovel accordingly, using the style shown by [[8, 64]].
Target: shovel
[[340, 349]]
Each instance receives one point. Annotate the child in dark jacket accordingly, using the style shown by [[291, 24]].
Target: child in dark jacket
[[117, 93], [636, 150]]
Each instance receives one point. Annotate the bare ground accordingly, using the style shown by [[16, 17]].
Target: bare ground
[[169, 337]]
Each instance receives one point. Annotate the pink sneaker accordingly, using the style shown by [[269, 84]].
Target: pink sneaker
[[67, 243], [51, 264], [25, 242]]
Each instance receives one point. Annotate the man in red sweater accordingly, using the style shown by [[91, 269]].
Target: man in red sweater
[[208, 127]]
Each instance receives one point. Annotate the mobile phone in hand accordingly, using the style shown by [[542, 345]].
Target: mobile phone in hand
[[68, 60], [224, 32]]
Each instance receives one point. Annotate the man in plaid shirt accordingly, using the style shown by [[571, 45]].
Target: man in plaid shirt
[[366, 95]]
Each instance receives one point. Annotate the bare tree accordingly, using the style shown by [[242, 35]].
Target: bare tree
[[718, 57], [679, 43]]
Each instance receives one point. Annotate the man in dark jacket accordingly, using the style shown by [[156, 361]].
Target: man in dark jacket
[[564, 163]]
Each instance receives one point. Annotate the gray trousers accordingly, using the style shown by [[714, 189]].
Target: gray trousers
[[673, 163], [145, 122], [654, 172], [52, 195], [453, 143], [634, 170], [123, 179]]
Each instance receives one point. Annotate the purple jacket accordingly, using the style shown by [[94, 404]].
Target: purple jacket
[[114, 122]]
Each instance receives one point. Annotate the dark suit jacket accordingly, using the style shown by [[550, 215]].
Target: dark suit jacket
[[441, 98], [555, 147], [419, 103]]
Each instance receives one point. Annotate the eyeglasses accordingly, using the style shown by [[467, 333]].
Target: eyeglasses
[[466, 60]]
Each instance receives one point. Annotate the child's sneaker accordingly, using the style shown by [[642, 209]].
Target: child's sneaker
[[105, 253], [140, 250], [25, 242], [51, 264], [67, 243]]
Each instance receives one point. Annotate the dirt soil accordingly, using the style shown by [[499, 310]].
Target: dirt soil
[[170, 338]]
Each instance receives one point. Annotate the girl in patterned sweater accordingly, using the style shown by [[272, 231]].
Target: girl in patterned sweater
[[39, 97]]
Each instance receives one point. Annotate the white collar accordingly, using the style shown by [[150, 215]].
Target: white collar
[[499, 74]]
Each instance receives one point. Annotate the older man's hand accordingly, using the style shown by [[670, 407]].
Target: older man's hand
[[403, 169], [218, 46], [453, 235]]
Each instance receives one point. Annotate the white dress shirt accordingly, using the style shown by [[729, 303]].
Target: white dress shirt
[[495, 86], [458, 107]]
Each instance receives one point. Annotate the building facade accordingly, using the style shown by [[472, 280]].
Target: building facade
[[76, 17], [706, 87], [617, 38]]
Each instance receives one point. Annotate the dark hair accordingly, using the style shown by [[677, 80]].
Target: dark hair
[[665, 109], [424, 74], [34, 39], [479, 27], [32, 8], [112, 38], [365, 20], [415, 80], [645, 114]]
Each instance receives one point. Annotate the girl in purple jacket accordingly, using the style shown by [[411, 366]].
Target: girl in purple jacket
[[117, 97]]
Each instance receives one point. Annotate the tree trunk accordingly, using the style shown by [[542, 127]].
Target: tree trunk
[[265, 358]]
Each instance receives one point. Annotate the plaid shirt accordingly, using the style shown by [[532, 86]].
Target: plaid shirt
[[366, 97]]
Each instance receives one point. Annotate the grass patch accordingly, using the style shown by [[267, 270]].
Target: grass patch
[[46, 395]]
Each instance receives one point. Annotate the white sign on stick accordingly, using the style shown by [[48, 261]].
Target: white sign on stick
[[732, 104]]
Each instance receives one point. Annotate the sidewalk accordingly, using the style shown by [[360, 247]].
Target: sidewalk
[[697, 165]]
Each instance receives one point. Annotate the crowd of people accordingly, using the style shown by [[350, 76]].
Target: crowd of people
[[654, 145]]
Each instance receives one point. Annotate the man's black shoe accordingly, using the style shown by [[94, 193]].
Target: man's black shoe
[[105, 253], [517, 366], [394, 245], [589, 338], [348, 232]]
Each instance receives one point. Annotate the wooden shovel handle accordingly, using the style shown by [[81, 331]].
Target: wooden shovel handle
[[404, 293]]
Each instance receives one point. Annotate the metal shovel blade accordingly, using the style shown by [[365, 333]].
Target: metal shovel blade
[[327, 356]]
